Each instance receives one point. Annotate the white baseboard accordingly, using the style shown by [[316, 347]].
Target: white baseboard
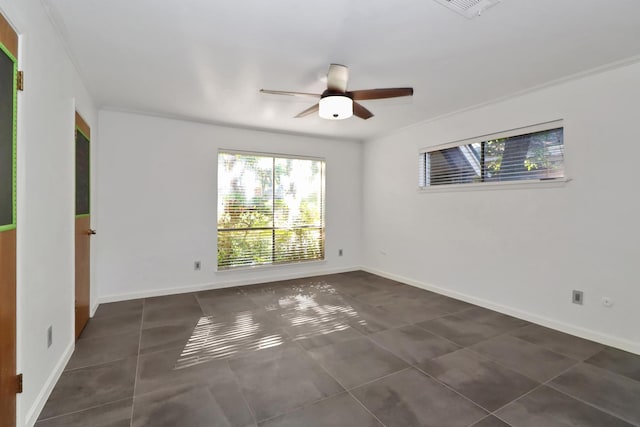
[[219, 285], [94, 308], [45, 392], [578, 331]]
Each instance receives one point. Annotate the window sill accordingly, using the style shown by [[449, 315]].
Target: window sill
[[509, 185], [270, 266]]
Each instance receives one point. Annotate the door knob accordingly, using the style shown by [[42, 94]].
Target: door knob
[[91, 231]]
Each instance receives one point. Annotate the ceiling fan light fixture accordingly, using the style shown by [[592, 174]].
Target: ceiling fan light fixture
[[336, 107]]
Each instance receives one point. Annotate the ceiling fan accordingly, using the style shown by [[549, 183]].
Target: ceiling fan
[[337, 103]]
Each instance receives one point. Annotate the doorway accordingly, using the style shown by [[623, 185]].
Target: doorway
[[83, 231]]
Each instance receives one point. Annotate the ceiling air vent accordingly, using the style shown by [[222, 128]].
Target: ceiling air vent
[[469, 8]]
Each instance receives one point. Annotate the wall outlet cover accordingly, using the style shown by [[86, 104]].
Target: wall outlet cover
[[577, 297]]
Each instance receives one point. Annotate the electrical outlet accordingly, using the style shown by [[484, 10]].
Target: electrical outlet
[[577, 297], [196, 265], [339, 252], [49, 336]]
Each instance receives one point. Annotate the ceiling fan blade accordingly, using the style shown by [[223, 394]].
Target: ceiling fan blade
[[392, 92], [337, 78], [310, 110], [284, 92], [360, 111]]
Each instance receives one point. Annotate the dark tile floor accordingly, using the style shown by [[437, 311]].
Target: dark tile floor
[[349, 349]]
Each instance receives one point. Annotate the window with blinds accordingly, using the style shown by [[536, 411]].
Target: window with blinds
[[525, 154], [270, 209]]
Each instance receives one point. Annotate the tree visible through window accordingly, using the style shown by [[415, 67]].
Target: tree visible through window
[[530, 156], [270, 209]]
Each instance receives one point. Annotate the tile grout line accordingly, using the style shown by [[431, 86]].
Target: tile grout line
[[548, 384], [615, 374], [306, 352], [579, 359], [406, 368], [135, 377], [603, 410], [365, 408], [539, 384], [486, 356], [110, 402], [402, 358], [510, 334], [466, 346], [428, 375], [502, 365], [362, 384], [301, 407], [491, 358], [244, 397], [344, 389], [579, 399], [348, 390], [488, 416], [84, 409], [383, 348], [310, 403], [411, 365], [95, 365]]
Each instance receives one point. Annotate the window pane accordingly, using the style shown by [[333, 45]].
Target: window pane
[[299, 244], [457, 165], [7, 120], [245, 189], [537, 155], [244, 248], [298, 195]]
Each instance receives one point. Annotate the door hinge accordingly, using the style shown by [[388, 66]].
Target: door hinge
[[19, 383], [20, 80]]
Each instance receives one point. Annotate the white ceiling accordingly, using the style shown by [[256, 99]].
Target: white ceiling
[[207, 59]]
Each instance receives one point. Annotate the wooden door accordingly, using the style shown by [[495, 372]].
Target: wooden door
[[83, 223], [9, 384]]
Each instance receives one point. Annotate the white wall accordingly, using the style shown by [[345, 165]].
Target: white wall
[[157, 185], [46, 162], [522, 251]]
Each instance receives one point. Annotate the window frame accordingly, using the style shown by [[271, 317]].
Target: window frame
[[495, 185], [323, 209]]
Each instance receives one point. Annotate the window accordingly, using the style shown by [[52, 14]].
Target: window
[[535, 153], [8, 102], [270, 209]]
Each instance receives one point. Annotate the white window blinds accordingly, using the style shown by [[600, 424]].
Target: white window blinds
[[529, 156], [270, 209]]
